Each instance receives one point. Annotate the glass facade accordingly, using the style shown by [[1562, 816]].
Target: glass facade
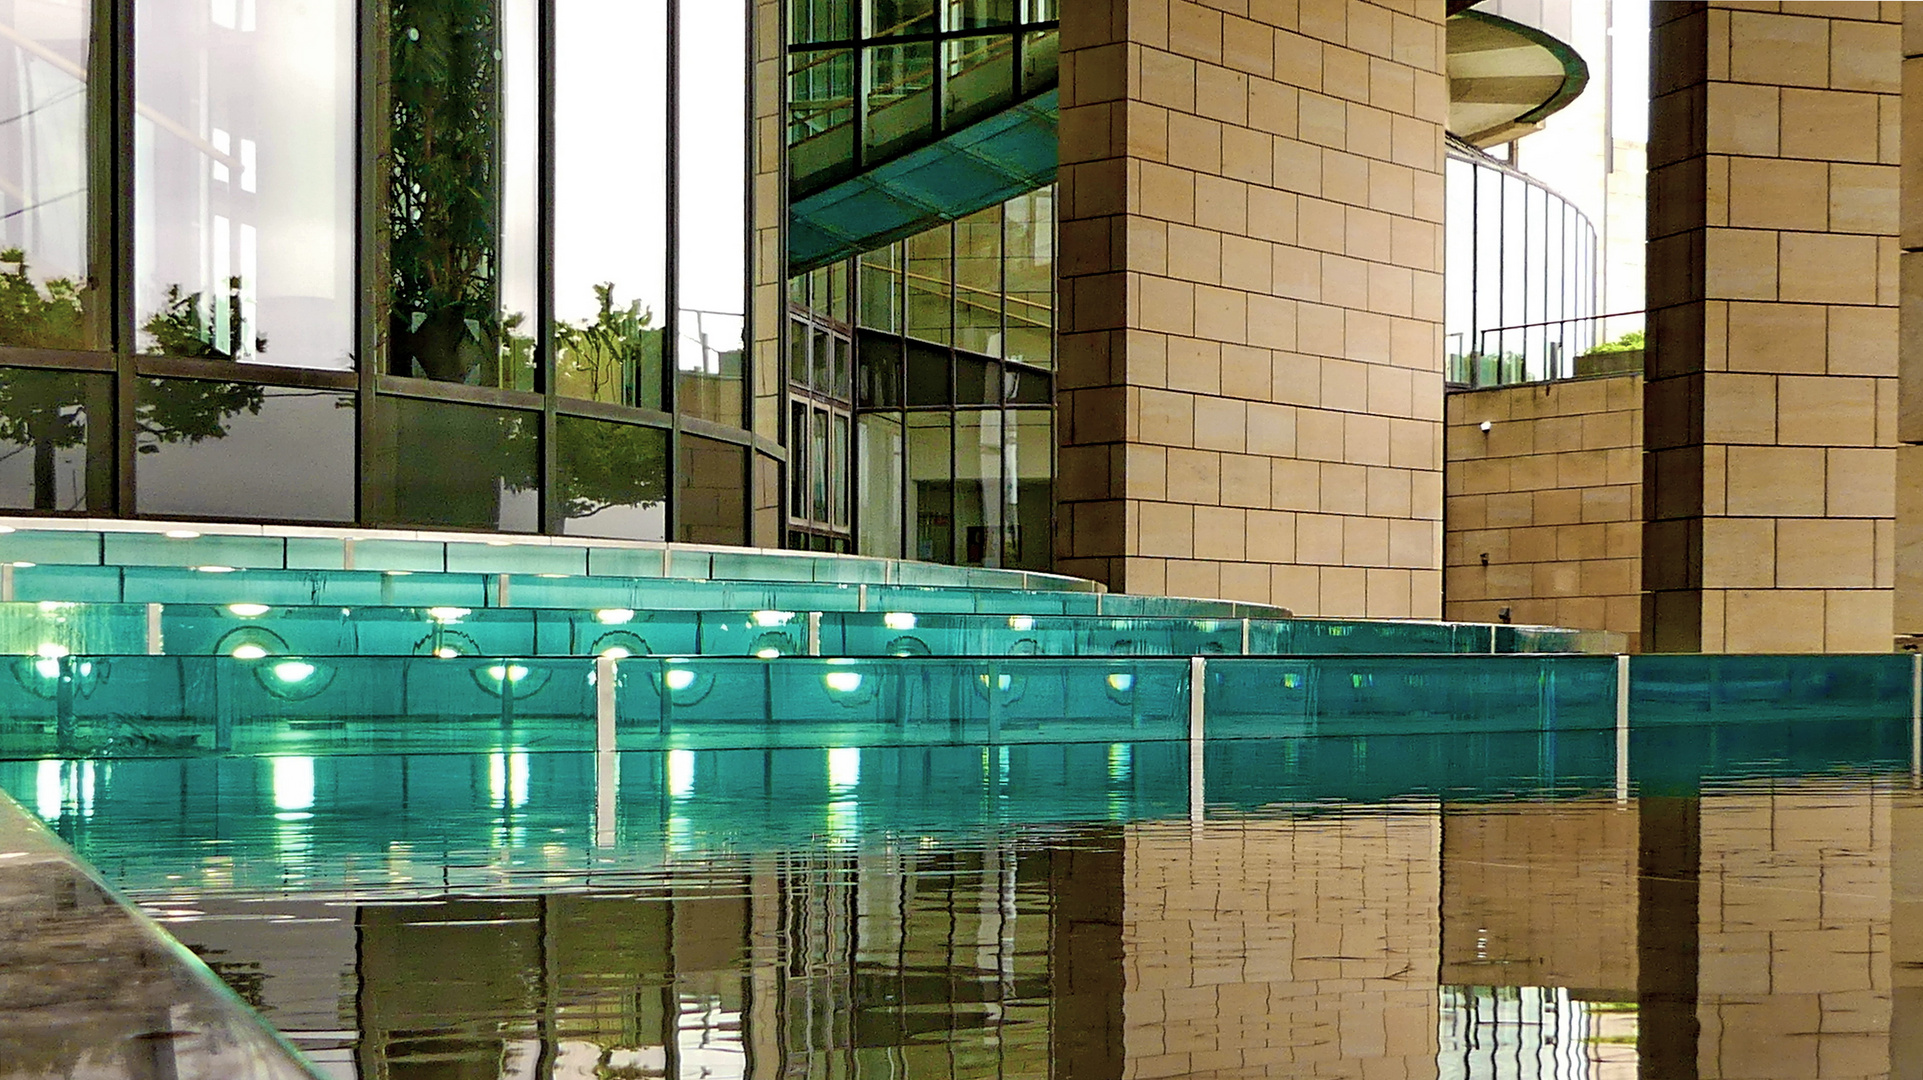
[[921, 420], [1520, 276], [408, 262]]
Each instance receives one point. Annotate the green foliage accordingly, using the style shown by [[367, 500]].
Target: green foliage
[[32, 319], [189, 410], [605, 465], [610, 357], [1630, 342], [179, 328], [443, 186]]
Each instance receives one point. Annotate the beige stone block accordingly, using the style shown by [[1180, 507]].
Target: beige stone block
[[1388, 599], [1221, 424], [1742, 119], [1827, 410], [1862, 483], [1166, 418], [1909, 540], [1739, 553], [1295, 484], [1319, 435], [1826, 268], [1245, 480], [1862, 340], [1778, 49], [1866, 56], [1345, 488], [1909, 421], [1775, 193], [1318, 539], [1776, 337], [1770, 481], [1825, 553], [1200, 579], [1773, 621], [1365, 541], [1740, 408], [1859, 620], [1166, 530], [1863, 199], [1739, 264], [1830, 125], [1344, 592], [1220, 533]]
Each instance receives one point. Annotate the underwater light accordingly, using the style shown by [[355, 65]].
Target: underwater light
[[511, 673], [678, 678], [1121, 682], [771, 618], [248, 611], [616, 652], [899, 620], [614, 615], [249, 651], [448, 614], [215, 569], [1021, 622], [293, 671], [842, 682], [181, 534]]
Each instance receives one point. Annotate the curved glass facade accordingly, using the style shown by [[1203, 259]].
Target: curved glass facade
[[1519, 277], [409, 262]]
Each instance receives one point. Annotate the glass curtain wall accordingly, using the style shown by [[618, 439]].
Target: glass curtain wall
[[1520, 288], [949, 453], [411, 262]]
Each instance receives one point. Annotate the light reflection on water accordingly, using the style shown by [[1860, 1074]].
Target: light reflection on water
[[957, 914]]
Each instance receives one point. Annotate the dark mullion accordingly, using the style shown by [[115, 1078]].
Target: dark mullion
[[749, 389], [551, 520], [369, 265], [119, 275], [671, 342]]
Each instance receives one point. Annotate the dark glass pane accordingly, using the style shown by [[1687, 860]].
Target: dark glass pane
[[56, 453], [889, 17], [241, 450], [800, 338], [710, 506], [901, 95], [460, 182], [797, 459], [613, 479], [931, 487], [244, 183], [878, 448], [927, 375], [930, 289], [1024, 387], [46, 246], [1028, 466], [978, 282], [977, 14], [881, 289], [713, 252], [838, 471], [981, 77], [1041, 59], [821, 116], [1040, 10], [821, 20], [841, 370], [822, 359], [879, 382], [977, 381], [818, 465], [463, 466], [610, 200]]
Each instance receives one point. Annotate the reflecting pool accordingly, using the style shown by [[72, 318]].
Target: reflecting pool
[[1467, 907]]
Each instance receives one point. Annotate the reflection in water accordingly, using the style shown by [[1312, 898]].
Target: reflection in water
[[810, 919]]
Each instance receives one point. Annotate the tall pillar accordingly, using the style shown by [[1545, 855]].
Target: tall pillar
[[1770, 403], [1250, 392], [1909, 470]]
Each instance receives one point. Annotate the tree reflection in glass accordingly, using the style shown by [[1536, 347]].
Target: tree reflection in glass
[[453, 169]]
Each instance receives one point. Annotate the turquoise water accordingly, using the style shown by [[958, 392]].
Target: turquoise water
[[1484, 906]]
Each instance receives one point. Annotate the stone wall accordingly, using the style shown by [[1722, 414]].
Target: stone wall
[[1771, 400], [1250, 383], [1543, 512]]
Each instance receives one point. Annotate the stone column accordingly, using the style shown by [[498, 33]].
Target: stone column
[[1770, 404], [1250, 392], [1909, 471]]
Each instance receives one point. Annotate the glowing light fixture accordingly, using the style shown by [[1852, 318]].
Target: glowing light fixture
[[614, 616], [249, 611], [181, 534], [771, 618], [248, 651], [293, 671], [842, 682], [215, 569], [1121, 682], [449, 614], [899, 620], [678, 678], [1021, 622]]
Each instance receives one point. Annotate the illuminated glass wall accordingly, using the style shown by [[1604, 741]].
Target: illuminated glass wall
[[409, 262], [921, 394], [1519, 276]]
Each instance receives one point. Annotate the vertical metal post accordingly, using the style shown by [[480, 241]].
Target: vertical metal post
[[1622, 730], [6, 582], [1916, 718], [607, 763], [1198, 677], [1245, 637], [501, 589], [347, 553], [155, 646], [861, 596], [994, 701], [814, 633]]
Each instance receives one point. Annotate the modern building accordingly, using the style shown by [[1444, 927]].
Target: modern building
[[1150, 292]]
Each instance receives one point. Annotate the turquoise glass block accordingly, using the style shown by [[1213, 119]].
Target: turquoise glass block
[[316, 553], [693, 563], [57, 628], [151, 549], [97, 584], [757, 566], [510, 558], [625, 562], [1692, 689], [1265, 698], [49, 546], [1350, 636], [418, 556], [712, 702]]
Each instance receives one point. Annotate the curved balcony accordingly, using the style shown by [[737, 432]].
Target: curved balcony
[[1506, 77]]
